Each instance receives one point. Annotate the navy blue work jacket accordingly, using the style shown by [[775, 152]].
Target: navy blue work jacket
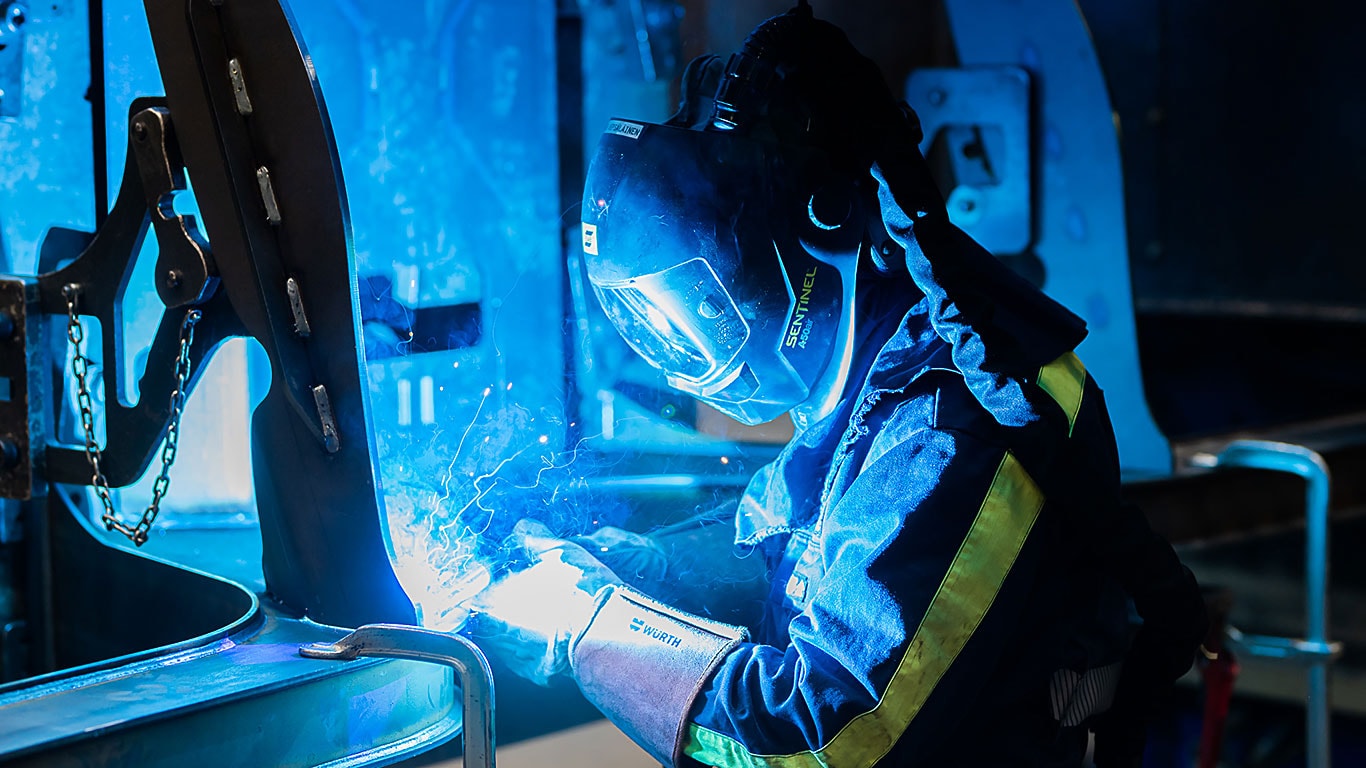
[[935, 543]]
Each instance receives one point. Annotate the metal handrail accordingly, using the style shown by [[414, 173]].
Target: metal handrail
[[399, 641], [1314, 649]]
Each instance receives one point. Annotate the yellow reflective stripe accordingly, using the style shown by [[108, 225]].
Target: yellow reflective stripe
[[983, 561], [1064, 380]]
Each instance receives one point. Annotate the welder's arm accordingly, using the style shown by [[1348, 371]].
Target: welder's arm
[[1168, 599], [531, 613], [529, 616], [925, 580], [692, 565]]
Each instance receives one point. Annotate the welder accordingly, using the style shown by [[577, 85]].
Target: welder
[[952, 576]]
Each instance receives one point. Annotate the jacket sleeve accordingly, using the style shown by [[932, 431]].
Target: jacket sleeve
[[928, 559]]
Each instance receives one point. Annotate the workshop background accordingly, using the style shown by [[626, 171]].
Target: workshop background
[[1185, 174]]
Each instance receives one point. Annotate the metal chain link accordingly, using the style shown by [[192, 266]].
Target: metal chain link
[[80, 367]]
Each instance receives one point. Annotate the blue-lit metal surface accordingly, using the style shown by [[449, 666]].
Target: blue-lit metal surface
[[445, 120], [131, 641], [978, 141], [159, 652], [445, 116], [45, 139], [1080, 221], [246, 700], [95, 607], [13, 19], [315, 455]]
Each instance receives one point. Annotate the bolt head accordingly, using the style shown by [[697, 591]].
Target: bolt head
[[174, 278], [140, 131]]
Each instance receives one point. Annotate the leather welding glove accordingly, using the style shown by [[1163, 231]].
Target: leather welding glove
[[638, 558], [529, 616], [693, 566]]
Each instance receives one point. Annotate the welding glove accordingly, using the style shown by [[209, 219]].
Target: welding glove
[[637, 558], [529, 616]]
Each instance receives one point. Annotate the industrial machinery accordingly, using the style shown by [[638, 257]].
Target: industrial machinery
[[93, 675]]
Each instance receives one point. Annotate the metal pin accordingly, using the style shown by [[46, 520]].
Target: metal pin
[[268, 195], [331, 437], [296, 303], [239, 87]]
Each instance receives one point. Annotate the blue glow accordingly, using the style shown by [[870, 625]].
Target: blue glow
[[448, 134]]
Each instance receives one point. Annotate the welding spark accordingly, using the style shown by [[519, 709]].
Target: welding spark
[[444, 547]]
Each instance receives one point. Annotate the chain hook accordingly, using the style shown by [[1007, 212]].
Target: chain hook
[[80, 368]]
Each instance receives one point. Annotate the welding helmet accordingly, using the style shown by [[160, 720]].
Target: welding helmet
[[725, 260]]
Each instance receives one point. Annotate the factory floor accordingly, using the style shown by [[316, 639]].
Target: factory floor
[[592, 745]]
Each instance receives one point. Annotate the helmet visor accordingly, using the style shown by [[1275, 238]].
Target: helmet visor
[[692, 242], [681, 319]]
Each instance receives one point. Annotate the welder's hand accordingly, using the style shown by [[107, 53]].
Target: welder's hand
[[636, 557], [529, 617]]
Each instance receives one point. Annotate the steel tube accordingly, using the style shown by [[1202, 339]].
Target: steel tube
[[399, 641], [1308, 464]]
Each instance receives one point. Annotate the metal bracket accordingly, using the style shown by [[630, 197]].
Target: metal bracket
[[239, 87], [977, 141], [13, 17], [328, 422], [296, 305], [185, 268], [397, 641], [1077, 190], [102, 269]]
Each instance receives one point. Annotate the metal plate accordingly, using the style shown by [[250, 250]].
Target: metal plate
[[977, 140]]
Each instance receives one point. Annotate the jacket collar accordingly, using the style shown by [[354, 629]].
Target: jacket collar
[[895, 347]]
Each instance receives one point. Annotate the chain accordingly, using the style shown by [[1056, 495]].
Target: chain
[[80, 367]]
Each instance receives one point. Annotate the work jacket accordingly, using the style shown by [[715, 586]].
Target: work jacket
[[942, 592], [936, 596], [951, 566]]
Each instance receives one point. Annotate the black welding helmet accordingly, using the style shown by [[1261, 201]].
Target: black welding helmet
[[726, 261]]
